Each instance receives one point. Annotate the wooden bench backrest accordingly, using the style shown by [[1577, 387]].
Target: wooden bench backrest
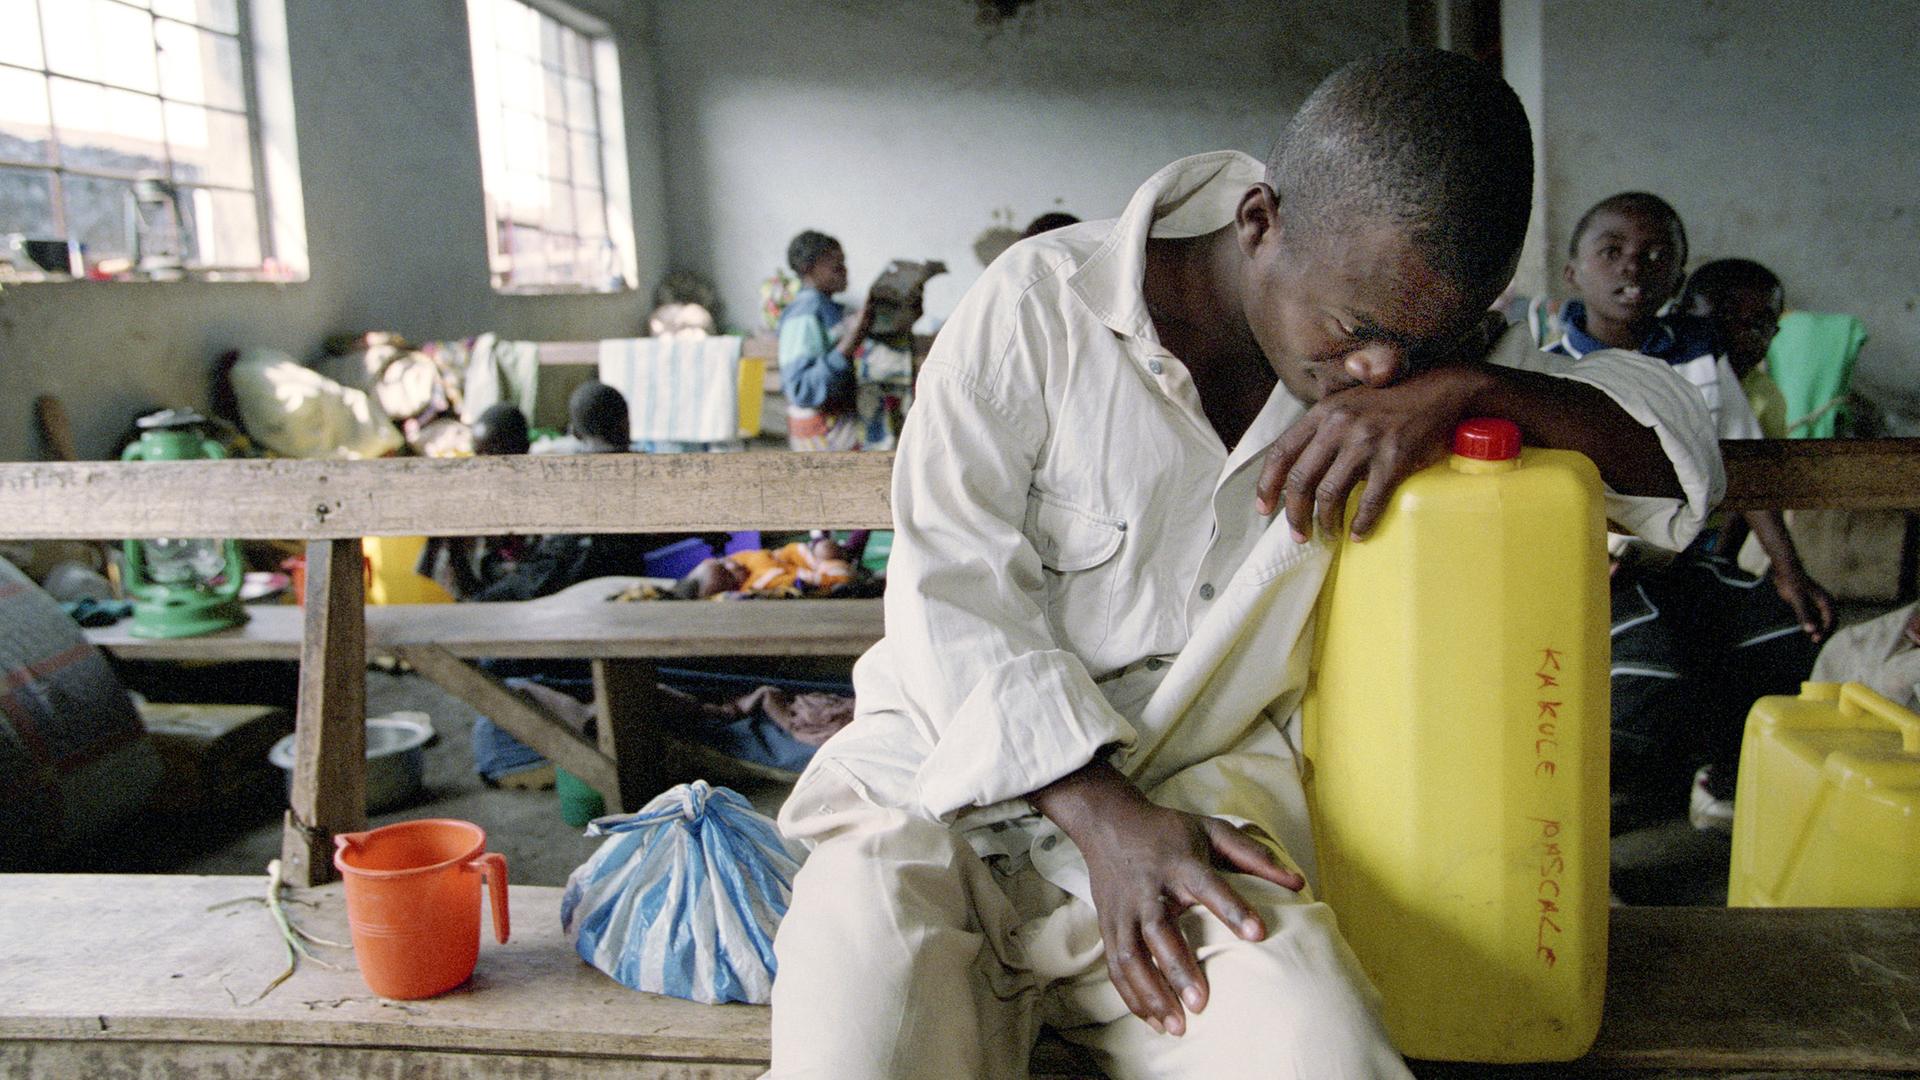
[[329, 500]]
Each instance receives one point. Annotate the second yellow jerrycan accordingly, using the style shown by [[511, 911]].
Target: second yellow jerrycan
[[1827, 812], [1456, 740]]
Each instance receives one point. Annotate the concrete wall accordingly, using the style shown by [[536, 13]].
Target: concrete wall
[[1781, 132], [908, 128], [384, 114]]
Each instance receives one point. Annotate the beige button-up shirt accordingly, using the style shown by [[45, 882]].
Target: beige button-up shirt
[[1079, 569]]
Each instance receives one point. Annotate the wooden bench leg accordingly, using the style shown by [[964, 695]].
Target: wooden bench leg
[[520, 718], [624, 700], [330, 728]]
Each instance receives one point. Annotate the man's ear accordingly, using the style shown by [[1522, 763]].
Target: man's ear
[[1257, 219], [1566, 275]]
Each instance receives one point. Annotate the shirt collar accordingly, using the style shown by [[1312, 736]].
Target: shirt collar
[[1191, 197], [1674, 338]]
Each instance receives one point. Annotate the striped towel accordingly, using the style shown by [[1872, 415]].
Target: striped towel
[[683, 388], [684, 897]]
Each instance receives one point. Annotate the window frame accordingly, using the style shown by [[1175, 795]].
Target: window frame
[[263, 188], [603, 77]]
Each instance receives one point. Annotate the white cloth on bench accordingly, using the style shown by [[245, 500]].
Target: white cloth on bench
[[679, 389]]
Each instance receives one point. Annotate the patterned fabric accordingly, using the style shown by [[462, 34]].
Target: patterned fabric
[[791, 570], [884, 393], [684, 897], [74, 759], [810, 429]]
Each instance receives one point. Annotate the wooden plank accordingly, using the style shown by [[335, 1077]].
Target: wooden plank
[[134, 1060], [1822, 474], [624, 702], [329, 793], [672, 492], [1751, 988], [147, 960], [533, 629], [521, 718], [479, 496]]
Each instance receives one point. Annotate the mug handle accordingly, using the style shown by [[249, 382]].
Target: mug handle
[[493, 866]]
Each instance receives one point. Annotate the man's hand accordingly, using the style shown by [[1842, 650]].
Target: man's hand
[[1811, 603], [1912, 629], [1380, 436], [1147, 864]]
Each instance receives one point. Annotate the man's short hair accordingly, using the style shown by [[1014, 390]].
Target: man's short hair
[[1427, 140], [1631, 202], [598, 411], [1721, 277], [807, 248]]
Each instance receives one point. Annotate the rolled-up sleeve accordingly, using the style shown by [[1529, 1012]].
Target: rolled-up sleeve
[[1648, 391], [1011, 711]]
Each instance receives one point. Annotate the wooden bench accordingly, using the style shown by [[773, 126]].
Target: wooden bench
[[620, 641], [1827, 993], [144, 976]]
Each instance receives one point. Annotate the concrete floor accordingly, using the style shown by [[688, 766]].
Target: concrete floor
[[525, 826]]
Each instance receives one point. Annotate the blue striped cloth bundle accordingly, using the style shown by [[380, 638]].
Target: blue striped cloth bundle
[[683, 897], [680, 388]]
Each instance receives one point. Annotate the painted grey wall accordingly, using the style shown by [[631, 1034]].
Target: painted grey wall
[[908, 128], [1781, 132], [383, 102]]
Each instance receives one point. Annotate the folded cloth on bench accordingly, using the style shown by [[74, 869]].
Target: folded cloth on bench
[[678, 389]]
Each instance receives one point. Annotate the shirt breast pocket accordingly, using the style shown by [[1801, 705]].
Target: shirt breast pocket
[[1077, 547]]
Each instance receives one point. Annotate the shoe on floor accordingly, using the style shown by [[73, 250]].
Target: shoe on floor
[[1704, 811]]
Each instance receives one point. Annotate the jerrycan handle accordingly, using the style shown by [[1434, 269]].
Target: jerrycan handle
[[493, 865], [1857, 700]]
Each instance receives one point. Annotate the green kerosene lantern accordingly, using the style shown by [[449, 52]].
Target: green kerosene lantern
[[181, 587]]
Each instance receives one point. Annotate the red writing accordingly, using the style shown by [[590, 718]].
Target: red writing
[[1552, 865], [1549, 711]]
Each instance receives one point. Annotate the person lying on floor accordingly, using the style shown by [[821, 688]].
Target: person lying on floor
[[812, 567]]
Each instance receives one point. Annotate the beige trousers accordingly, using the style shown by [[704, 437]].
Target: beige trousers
[[905, 956]]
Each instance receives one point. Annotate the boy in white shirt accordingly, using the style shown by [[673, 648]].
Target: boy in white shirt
[[1071, 797]]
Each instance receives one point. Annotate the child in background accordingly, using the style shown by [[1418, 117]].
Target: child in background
[[1696, 641], [1742, 301], [465, 565], [817, 348]]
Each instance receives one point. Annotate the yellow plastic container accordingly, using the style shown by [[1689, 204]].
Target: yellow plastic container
[[1827, 812], [390, 576], [753, 394], [1456, 743]]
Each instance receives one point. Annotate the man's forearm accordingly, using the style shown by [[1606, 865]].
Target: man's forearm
[[1567, 415], [1084, 797]]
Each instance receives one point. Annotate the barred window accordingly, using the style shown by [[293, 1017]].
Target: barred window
[[128, 134], [552, 150]]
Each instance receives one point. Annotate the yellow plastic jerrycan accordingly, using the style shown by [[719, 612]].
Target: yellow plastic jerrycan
[[1827, 812], [1456, 742]]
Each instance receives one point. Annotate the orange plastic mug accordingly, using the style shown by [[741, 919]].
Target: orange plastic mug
[[413, 902]]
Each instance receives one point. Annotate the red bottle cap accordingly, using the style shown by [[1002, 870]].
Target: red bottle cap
[[1487, 439]]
